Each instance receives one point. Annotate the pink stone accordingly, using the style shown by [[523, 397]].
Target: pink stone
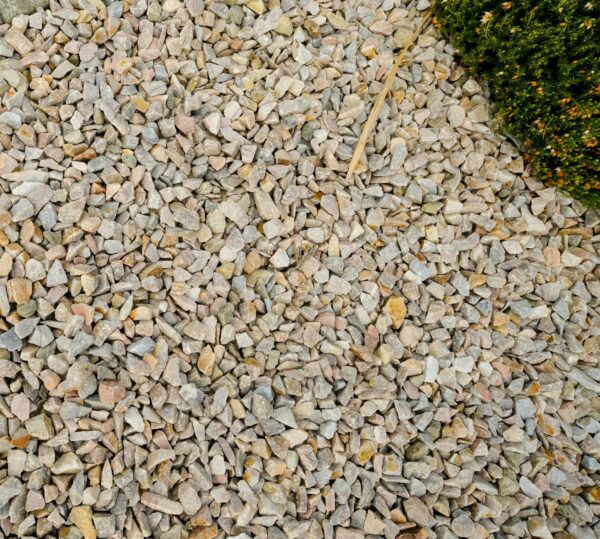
[[111, 392]]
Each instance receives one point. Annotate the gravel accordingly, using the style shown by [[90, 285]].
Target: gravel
[[206, 332]]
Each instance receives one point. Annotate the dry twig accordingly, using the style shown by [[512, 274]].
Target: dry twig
[[372, 119]]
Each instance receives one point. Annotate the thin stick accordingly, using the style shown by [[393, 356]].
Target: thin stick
[[374, 115]]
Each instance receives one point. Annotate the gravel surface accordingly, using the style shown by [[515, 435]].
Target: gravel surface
[[205, 332]]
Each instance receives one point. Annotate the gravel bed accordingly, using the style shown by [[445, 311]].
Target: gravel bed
[[206, 332]]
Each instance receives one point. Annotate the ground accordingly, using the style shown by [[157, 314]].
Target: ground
[[206, 331]]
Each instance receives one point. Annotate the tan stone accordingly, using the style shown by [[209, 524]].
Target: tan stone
[[140, 103], [20, 442], [7, 164], [26, 135], [366, 452], [87, 311], [370, 52], [86, 155], [161, 503], [500, 320], [373, 524], [206, 361], [111, 392], [397, 310], [226, 269], [91, 224], [71, 150], [50, 379], [476, 280], [456, 430], [123, 65], [6, 263], [81, 516], [552, 256], [257, 6], [237, 408], [186, 124], [275, 467], [88, 282], [19, 290], [204, 532], [253, 261], [284, 26], [40, 427], [141, 312]]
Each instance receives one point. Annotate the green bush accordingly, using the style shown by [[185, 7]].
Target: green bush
[[541, 59]]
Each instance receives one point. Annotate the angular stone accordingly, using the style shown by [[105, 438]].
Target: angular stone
[[396, 308], [161, 504], [206, 361], [417, 512], [68, 463], [40, 427], [56, 275], [111, 392], [9, 340], [265, 206], [19, 290], [11, 8], [81, 516]]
